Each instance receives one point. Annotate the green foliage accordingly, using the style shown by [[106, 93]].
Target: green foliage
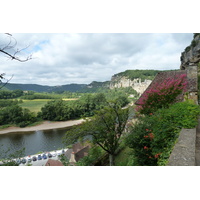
[[162, 94], [64, 160], [8, 159], [94, 153], [85, 106], [60, 110], [39, 96], [143, 74], [6, 94], [153, 137], [106, 128], [14, 114], [187, 48], [124, 157], [5, 103], [194, 43], [196, 34]]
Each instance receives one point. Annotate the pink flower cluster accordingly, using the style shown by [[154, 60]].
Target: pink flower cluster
[[163, 93]]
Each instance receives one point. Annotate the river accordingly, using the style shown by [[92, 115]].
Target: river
[[33, 142]]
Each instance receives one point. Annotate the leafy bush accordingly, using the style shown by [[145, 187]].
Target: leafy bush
[[94, 153], [153, 136], [14, 114], [162, 94]]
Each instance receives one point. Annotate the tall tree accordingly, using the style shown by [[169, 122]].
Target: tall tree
[[106, 129]]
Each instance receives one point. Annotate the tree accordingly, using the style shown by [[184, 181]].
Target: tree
[[106, 129]]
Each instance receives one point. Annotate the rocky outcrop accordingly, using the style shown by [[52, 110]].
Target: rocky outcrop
[[191, 55], [136, 84]]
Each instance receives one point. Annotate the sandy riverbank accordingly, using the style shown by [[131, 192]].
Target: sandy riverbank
[[46, 125]]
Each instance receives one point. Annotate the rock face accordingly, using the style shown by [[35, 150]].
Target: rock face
[[136, 84], [191, 55]]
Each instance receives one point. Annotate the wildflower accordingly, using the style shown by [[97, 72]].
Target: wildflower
[[147, 129], [151, 135], [157, 155], [146, 136], [145, 147]]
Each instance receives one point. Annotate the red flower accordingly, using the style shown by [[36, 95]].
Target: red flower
[[151, 135], [146, 136], [147, 129], [157, 155], [145, 147]]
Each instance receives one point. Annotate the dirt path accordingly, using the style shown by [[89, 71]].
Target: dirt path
[[46, 125]]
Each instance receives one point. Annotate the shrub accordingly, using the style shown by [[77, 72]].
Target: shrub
[[162, 94], [153, 136]]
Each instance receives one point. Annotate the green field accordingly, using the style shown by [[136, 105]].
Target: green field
[[34, 105]]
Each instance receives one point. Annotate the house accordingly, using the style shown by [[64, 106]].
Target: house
[[78, 151], [51, 162]]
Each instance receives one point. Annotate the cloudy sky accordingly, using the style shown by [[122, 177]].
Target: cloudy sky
[[63, 58]]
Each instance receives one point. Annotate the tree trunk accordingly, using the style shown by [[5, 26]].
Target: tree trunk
[[111, 159]]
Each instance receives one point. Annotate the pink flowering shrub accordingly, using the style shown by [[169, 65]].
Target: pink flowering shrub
[[162, 94]]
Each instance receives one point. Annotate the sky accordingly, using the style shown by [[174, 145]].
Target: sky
[[65, 58]]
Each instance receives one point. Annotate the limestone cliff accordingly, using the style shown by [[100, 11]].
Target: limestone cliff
[[191, 55], [136, 84]]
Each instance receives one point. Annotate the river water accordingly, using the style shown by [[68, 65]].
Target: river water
[[33, 142]]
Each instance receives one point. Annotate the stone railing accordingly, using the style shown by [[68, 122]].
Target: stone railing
[[183, 153]]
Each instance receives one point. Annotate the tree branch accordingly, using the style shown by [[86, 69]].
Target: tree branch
[[5, 82], [9, 46]]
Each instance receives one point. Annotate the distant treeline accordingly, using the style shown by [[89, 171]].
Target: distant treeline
[[31, 95]]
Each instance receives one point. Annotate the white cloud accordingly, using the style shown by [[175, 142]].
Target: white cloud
[[83, 58]]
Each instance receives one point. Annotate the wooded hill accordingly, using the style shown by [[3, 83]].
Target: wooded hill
[[92, 87]]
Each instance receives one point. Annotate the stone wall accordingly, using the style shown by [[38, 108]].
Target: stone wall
[[193, 83], [183, 153]]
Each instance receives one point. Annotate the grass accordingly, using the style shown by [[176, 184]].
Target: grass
[[34, 105]]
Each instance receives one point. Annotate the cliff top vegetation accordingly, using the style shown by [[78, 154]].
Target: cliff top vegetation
[[143, 74]]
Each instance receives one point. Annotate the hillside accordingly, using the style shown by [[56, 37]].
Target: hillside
[[137, 79], [42, 88]]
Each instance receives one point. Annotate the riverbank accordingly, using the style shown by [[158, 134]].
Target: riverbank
[[46, 125]]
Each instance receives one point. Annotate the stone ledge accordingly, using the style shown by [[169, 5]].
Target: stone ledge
[[183, 153]]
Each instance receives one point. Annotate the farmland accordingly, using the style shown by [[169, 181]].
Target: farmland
[[36, 104]]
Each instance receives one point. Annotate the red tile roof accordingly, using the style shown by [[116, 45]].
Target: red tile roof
[[52, 162]]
